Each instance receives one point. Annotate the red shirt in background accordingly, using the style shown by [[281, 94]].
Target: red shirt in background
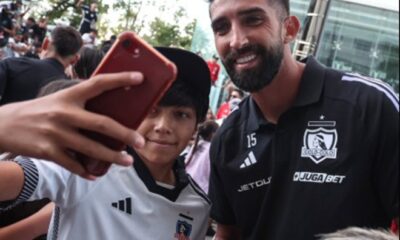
[[223, 111], [214, 70]]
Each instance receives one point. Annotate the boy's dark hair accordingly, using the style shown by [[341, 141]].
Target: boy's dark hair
[[88, 62], [192, 85], [182, 95], [284, 5], [67, 41]]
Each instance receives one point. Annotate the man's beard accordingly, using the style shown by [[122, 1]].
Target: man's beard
[[255, 79]]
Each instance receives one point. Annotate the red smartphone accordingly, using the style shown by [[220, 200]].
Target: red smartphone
[[128, 106]]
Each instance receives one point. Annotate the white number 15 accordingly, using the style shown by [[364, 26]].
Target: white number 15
[[251, 140]]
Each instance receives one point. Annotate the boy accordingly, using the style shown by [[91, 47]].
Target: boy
[[154, 199]]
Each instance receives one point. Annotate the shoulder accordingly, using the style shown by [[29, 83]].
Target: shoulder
[[360, 91], [198, 191], [16, 60]]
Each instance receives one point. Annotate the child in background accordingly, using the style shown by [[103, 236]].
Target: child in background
[[198, 160]]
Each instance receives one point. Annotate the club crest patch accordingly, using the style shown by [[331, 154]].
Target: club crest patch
[[319, 144], [183, 230]]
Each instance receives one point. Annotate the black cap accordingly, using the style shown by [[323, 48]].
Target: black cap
[[193, 71]]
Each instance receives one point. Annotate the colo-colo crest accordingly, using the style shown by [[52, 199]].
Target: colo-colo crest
[[319, 144]]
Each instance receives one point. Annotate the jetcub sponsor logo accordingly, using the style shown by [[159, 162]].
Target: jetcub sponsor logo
[[253, 185], [314, 177]]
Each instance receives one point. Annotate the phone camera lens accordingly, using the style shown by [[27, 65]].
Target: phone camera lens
[[126, 44]]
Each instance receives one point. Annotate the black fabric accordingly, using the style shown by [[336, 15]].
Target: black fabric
[[21, 211], [89, 17], [6, 22], [285, 195], [187, 64], [22, 78]]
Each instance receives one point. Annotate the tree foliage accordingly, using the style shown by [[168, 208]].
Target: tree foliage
[[55, 10], [163, 33], [156, 31]]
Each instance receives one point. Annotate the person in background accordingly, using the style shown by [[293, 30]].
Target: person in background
[[89, 17], [17, 45], [21, 78], [34, 51], [6, 26], [18, 12], [35, 32], [268, 180], [214, 67], [235, 97], [198, 160], [90, 39], [106, 45], [210, 115], [88, 61]]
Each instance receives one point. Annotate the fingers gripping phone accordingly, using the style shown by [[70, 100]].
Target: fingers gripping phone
[[128, 106]]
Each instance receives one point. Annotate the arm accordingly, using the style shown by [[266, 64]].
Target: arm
[[10, 31], [48, 127], [79, 3], [20, 48], [11, 180], [227, 232], [30, 227], [23, 14]]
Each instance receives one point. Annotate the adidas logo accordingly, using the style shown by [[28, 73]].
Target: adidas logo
[[250, 160], [124, 205]]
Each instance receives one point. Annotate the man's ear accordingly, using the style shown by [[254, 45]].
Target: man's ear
[[292, 27]]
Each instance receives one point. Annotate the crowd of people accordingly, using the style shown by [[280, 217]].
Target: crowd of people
[[297, 150], [24, 35], [20, 35]]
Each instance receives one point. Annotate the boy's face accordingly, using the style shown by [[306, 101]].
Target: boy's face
[[167, 131]]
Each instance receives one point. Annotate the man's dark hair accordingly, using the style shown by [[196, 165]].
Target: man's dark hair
[[66, 40], [284, 4]]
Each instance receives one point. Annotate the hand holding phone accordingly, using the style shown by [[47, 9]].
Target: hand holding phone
[[129, 106]]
